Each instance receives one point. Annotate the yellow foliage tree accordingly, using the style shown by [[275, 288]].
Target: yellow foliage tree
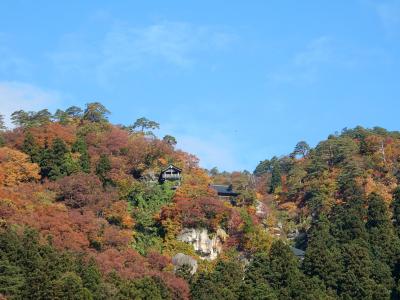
[[195, 184], [15, 167], [257, 240]]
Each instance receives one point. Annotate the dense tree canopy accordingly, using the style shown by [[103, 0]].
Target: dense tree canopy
[[83, 215]]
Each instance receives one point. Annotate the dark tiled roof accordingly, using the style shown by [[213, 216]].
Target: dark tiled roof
[[171, 167], [224, 190]]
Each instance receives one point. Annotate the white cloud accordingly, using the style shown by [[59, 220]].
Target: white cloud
[[17, 95], [126, 47]]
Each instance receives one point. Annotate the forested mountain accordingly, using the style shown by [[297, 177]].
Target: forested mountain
[[342, 199], [83, 215]]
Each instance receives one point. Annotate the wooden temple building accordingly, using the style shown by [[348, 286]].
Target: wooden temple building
[[171, 173], [225, 192], [174, 174]]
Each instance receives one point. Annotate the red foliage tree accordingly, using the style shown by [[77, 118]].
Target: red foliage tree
[[158, 261], [202, 212], [81, 189]]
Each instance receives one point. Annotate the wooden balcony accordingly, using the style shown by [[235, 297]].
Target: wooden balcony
[[167, 176]]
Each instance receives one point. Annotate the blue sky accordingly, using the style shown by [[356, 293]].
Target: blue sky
[[235, 81]]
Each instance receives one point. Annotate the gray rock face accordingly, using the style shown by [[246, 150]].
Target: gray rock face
[[181, 259], [260, 208], [208, 248]]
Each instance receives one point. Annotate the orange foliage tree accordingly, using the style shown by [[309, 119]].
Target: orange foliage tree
[[15, 167], [195, 184]]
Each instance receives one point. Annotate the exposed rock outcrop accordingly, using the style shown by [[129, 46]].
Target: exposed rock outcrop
[[260, 208], [206, 247], [181, 259]]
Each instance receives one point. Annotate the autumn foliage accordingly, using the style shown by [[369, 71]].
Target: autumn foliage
[[15, 167], [87, 188]]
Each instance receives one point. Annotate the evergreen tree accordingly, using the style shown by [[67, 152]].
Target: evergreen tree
[[146, 288], [25, 119], [170, 140], [41, 117], [31, 148], [21, 118], [80, 146], [144, 124], [185, 272], [396, 210], [348, 221], [384, 282], [103, 168], [302, 149], [276, 177], [347, 183], [356, 281], [69, 287], [96, 112], [57, 161], [37, 276], [323, 257], [223, 283], [255, 285], [277, 276], [228, 276], [383, 242], [2, 128], [206, 287], [31, 270], [283, 271], [61, 116], [203, 287], [257, 291], [11, 279], [91, 277], [263, 167], [74, 112], [59, 148], [2, 124]]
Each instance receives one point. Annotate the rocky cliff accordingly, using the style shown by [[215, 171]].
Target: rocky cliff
[[206, 245]]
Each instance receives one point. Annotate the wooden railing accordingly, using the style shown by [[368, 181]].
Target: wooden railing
[[171, 176]]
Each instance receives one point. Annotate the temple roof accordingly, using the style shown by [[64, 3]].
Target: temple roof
[[224, 190], [171, 167]]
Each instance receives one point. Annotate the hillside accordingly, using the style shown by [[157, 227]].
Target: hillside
[[83, 215]]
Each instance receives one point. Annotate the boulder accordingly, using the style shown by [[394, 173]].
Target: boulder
[[181, 259]]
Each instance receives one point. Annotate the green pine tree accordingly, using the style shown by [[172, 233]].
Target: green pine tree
[[396, 210], [323, 257], [384, 243], [31, 148], [80, 146], [69, 287], [356, 281], [103, 168], [12, 279], [255, 285], [348, 221], [276, 177], [146, 288]]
